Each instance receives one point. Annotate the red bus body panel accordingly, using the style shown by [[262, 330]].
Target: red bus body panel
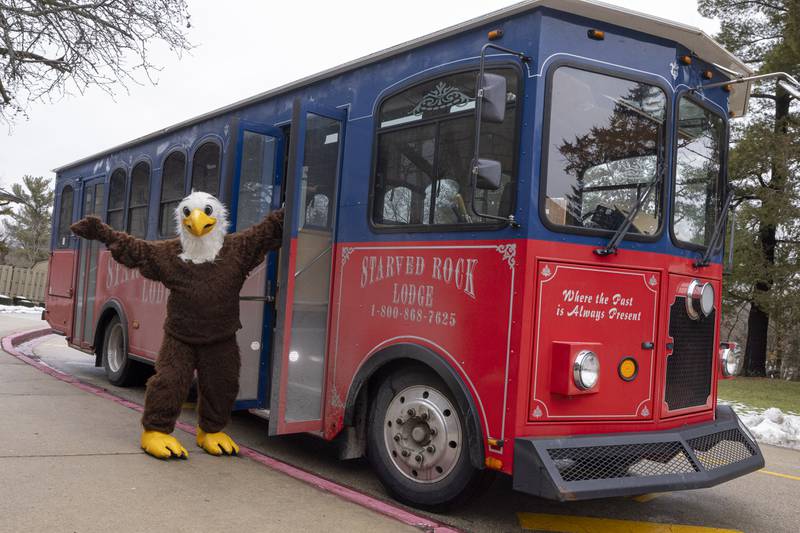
[[60, 291], [494, 312]]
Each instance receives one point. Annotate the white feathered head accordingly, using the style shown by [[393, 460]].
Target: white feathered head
[[202, 223]]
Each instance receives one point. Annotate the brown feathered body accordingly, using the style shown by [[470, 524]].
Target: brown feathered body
[[202, 316]]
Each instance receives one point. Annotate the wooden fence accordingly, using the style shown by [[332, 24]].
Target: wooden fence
[[27, 283]]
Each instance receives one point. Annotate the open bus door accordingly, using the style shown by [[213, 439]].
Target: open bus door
[[93, 195], [256, 192], [306, 269]]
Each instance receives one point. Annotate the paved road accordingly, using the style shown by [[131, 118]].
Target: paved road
[[759, 502], [69, 462]]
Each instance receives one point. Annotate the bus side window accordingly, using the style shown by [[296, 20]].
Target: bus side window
[[425, 142], [115, 214], [173, 176], [65, 217], [205, 169], [138, 200]]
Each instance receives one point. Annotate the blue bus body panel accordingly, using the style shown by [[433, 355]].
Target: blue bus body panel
[[549, 37]]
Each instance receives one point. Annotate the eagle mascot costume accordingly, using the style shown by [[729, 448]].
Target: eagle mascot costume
[[204, 270]]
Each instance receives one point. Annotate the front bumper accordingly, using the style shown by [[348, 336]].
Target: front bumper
[[625, 464]]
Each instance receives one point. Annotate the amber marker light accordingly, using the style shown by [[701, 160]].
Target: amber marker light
[[494, 463], [628, 368], [495, 34], [707, 75], [686, 60], [597, 35], [727, 88]]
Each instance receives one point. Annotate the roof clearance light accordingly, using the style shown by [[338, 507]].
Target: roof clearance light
[[597, 35], [708, 74], [727, 88], [586, 370], [686, 60], [495, 34]]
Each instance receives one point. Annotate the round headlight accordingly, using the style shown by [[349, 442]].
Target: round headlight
[[707, 299], [586, 370], [699, 299], [730, 360]]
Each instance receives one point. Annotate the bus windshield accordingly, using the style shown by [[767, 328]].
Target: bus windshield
[[605, 146]]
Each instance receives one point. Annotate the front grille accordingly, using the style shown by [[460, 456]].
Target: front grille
[[690, 365], [621, 464], [619, 461], [721, 449]]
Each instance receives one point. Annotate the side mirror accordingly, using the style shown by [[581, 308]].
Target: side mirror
[[489, 173], [492, 92]]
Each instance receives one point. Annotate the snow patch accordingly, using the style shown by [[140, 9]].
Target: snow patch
[[21, 309], [770, 426]]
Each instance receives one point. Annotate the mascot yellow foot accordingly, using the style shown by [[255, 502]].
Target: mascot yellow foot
[[216, 443], [162, 446]]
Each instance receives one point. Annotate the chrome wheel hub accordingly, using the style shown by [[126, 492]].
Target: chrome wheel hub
[[114, 350], [423, 434]]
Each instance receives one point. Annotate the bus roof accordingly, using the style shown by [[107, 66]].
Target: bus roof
[[692, 38]]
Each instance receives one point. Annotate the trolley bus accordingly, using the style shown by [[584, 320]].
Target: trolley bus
[[503, 252]]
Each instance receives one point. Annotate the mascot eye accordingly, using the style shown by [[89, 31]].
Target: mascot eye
[[208, 210], [186, 211]]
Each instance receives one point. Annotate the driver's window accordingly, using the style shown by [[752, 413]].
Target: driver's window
[[605, 147]]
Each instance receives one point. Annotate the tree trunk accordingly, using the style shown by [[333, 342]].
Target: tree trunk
[[755, 356]]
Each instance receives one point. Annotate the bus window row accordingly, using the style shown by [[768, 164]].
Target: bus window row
[[602, 152], [130, 195]]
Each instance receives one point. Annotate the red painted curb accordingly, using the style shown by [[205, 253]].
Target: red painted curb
[[10, 345]]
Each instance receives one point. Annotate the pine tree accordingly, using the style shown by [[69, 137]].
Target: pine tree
[[764, 170], [28, 228]]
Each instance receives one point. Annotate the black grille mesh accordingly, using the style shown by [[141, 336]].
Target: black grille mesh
[[618, 461], [689, 366], [721, 449]]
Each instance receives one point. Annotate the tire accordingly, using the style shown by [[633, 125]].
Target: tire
[[423, 461], [121, 370]]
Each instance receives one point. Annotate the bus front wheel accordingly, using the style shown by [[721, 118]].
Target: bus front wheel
[[417, 441], [120, 369]]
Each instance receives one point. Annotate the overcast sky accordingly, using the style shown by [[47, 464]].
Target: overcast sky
[[243, 47]]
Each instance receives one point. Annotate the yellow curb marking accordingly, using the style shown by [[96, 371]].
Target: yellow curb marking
[[644, 498], [582, 524], [787, 476]]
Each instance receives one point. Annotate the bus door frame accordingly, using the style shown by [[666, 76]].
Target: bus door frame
[[278, 423], [269, 315], [82, 283]]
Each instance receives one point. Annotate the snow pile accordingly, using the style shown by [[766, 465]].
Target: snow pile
[[21, 309], [770, 426]]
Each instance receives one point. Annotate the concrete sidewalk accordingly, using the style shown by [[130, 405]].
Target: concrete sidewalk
[[70, 461]]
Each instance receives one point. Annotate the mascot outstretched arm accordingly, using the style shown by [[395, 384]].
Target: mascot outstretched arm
[[204, 270]]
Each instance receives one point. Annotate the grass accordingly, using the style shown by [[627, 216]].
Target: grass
[[762, 393]]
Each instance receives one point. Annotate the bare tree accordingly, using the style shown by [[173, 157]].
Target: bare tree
[[51, 47]]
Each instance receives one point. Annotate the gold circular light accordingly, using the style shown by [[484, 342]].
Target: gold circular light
[[628, 368]]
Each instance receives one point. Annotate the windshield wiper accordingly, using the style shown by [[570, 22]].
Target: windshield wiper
[[613, 243], [719, 229]]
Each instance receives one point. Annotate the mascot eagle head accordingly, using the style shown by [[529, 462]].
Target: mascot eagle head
[[202, 223]]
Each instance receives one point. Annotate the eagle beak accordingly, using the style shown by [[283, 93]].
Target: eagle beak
[[198, 223]]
